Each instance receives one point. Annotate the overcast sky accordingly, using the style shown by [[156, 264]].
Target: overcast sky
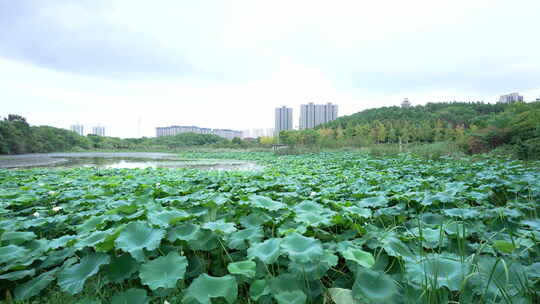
[[228, 64]]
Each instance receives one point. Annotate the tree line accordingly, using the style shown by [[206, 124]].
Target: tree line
[[18, 137], [477, 127]]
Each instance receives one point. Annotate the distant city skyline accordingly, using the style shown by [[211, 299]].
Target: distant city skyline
[[312, 115], [229, 63], [283, 119], [174, 130]]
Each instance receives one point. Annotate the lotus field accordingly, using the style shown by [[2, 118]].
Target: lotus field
[[321, 228]]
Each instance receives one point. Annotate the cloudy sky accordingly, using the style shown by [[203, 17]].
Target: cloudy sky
[[228, 64]]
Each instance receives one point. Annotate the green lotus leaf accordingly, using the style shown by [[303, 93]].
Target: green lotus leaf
[[533, 271], [438, 270], [265, 203], [166, 217], [286, 282], [72, 278], [374, 202], [205, 240], [302, 249], [61, 241], [206, 287], [313, 219], [373, 287], [88, 300], [121, 268], [431, 238], [17, 237], [342, 296], [220, 226], [11, 253], [245, 268], [164, 271], [291, 297], [396, 248], [220, 199], [267, 251], [91, 224], [237, 240], [357, 211], [504, 246], [137, 236], [16, 275], [255, 220], [56, 257], [534, 224], [496, 276], [259, 288], [462, 213], [108, 243], [92, 239], [314, 271], [34, 286], [131, 296], [185, 232], [359, 256]]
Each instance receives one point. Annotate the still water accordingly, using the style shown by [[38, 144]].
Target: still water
[[129, 160]]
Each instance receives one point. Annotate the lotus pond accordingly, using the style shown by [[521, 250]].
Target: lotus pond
[[322, 228]]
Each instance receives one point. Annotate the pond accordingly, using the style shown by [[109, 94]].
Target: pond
[[130, 160]]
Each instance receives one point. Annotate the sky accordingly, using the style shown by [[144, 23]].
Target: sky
[[135, 65]]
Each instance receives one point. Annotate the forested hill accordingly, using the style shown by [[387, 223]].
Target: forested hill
[[454, 113], [476, 127]]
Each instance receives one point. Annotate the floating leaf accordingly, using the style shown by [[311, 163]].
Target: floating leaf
[[164, 271], [16, 275], [206, 287], [342, 296], [121, 268], [265, 203], [359, 256], [302, 249], [72, 279], [17, 237], [138, 236], [504, 246], [34, 286], [267, 251], [131, 296], [220, 226], [374, 202], [246, 268], [291, 297], [374, 287]]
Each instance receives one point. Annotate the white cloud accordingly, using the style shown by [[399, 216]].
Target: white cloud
[[227, 64]]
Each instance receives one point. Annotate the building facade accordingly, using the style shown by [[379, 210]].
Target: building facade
[[77, 128], [510, 98], [406, 103], [173, 130], [312, 115], [98, 130], [283, 119]]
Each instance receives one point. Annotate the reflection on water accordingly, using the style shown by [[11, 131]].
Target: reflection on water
[[137, 163]]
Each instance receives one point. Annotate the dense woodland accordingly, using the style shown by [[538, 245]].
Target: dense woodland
[[476, 127]]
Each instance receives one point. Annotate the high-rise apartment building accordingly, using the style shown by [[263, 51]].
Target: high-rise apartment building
[[98, 130], [77, 128], [510, 98], [173, 130], [406, 103], [312, 115], [283, 119]]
